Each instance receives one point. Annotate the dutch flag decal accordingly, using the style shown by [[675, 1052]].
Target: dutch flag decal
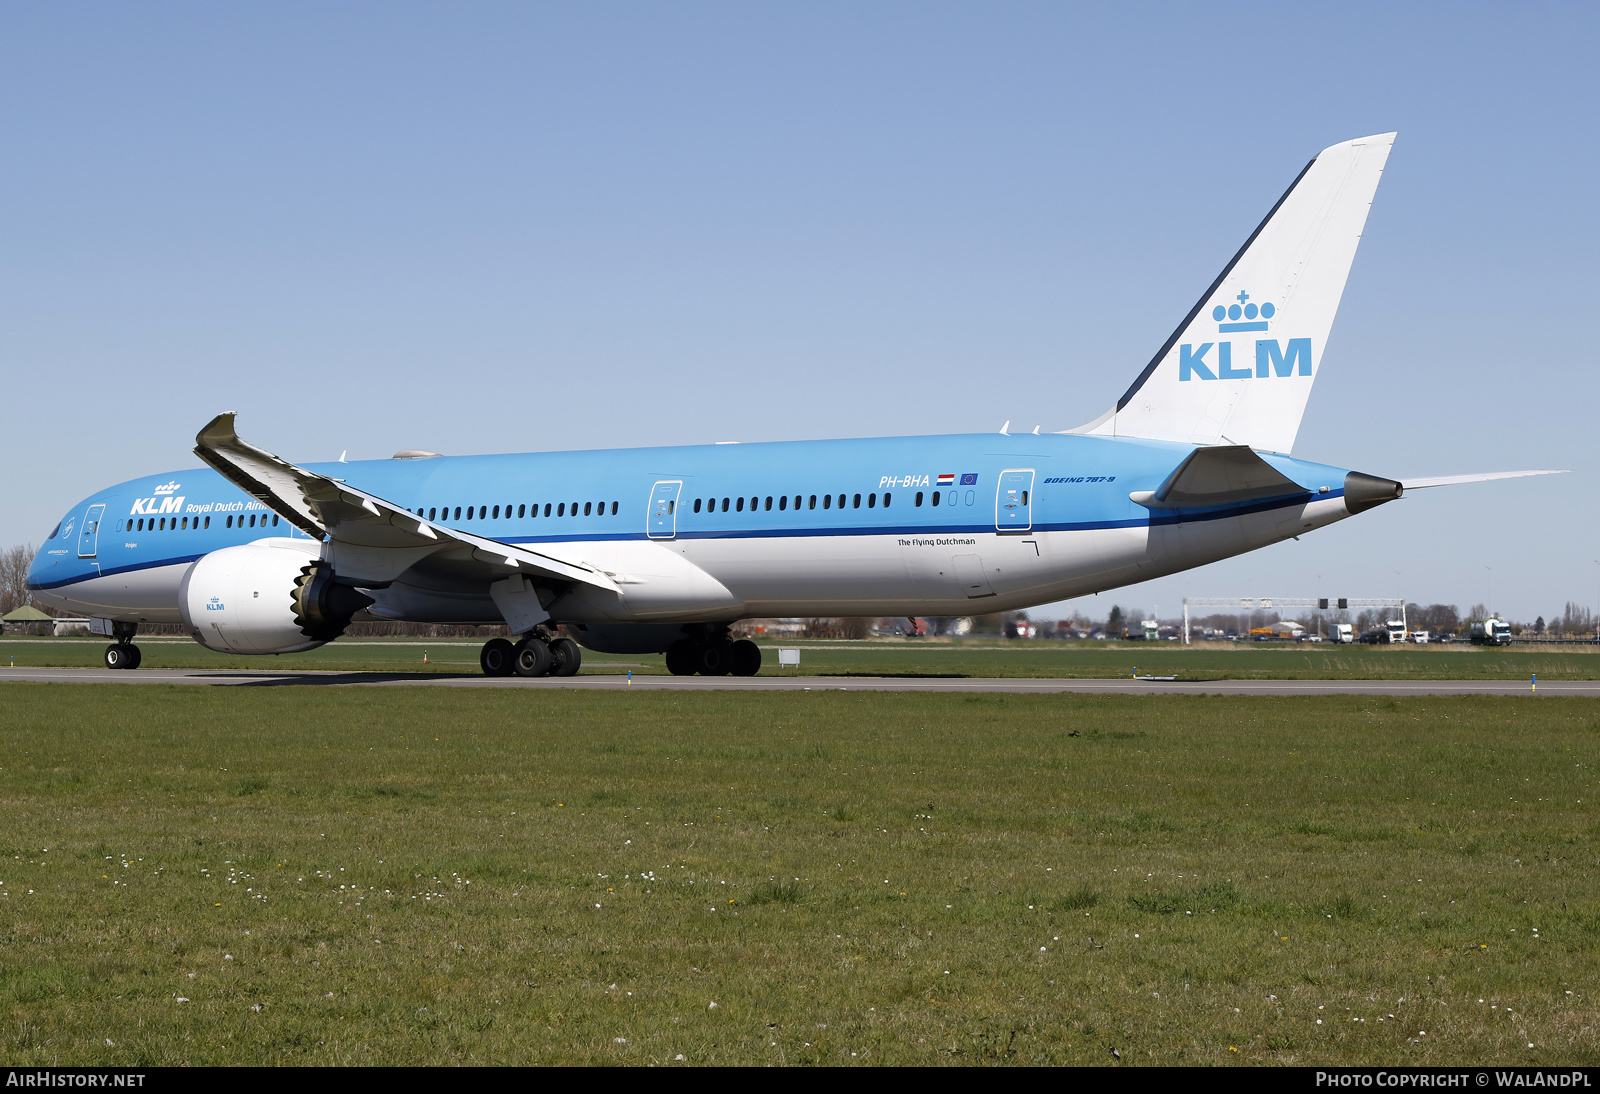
[[947, 480]]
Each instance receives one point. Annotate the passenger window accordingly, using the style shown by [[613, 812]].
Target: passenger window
[[934, 498], [886, 499], [1024, 497], [783, 503], [797, 503], [813, 504], [872, 500], [496, 513], [458, 512], [755, 503], [769, 502], [208, 522], [740, 506], [613, 508], [230, 522], [857, 505], [827, 501], [672, 507], [724, 505], [588, 508], [561, 510], [432, 512], [696, 509], [274, 520], [547, 509]]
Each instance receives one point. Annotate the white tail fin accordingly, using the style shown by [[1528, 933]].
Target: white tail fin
[[1239, 368]]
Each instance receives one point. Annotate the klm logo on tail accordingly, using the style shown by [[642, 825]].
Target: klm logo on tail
[[1242, 310], [1272, 358]]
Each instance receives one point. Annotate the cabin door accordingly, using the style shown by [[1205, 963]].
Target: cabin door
[[1013, 503], [89, 535], [663, 519]]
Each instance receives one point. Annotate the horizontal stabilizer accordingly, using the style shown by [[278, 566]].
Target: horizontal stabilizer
[[1219, 475], [371, 540], [1453, 480]]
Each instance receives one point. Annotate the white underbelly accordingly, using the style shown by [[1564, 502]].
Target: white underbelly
[[134, 596]]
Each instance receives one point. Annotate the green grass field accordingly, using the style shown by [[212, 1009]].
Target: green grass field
[[973, 658], [228, 875]]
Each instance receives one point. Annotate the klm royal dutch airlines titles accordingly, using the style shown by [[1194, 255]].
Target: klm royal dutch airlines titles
[[641, 550]]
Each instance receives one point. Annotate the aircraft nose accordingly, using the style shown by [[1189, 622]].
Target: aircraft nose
[[37, 566]]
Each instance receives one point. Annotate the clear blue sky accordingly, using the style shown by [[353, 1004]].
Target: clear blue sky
[[480, 228]]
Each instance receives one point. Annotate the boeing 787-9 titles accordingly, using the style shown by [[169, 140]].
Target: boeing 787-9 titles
[[661, 549]]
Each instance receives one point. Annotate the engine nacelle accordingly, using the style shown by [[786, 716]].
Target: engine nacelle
[[271, 596]]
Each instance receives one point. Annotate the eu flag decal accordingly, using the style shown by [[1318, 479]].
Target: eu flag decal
[[969, 480]]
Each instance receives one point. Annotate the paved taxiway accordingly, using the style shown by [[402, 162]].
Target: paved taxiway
[[618, 681]]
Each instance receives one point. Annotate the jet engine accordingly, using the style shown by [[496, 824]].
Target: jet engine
[[272, 596]]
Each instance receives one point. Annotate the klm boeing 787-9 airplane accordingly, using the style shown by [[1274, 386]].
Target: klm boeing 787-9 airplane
[[661, 549]]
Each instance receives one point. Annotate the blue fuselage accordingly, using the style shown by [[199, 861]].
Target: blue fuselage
[[911, 489]]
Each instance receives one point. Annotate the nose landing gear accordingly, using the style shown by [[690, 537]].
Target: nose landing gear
[[123, 655]]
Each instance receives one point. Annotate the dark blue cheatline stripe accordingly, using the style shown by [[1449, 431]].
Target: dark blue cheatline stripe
[[112, 571], [1193, 516], [1176, 516]]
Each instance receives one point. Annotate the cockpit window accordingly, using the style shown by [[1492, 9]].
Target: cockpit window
[[57, 531]]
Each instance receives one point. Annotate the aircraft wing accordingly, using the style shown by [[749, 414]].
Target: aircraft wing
[[371, 540], [1452, 480]]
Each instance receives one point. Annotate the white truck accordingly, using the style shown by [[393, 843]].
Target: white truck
[[1491, 632], [1342, 633], [1396, 630]]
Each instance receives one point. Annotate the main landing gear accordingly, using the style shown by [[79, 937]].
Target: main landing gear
[[715, 656], [123, 655], [534, 655]]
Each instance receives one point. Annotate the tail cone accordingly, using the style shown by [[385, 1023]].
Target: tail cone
[[1363, 492]]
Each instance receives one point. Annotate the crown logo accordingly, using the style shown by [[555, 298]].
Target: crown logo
[[167, 489], [1228, 318]]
